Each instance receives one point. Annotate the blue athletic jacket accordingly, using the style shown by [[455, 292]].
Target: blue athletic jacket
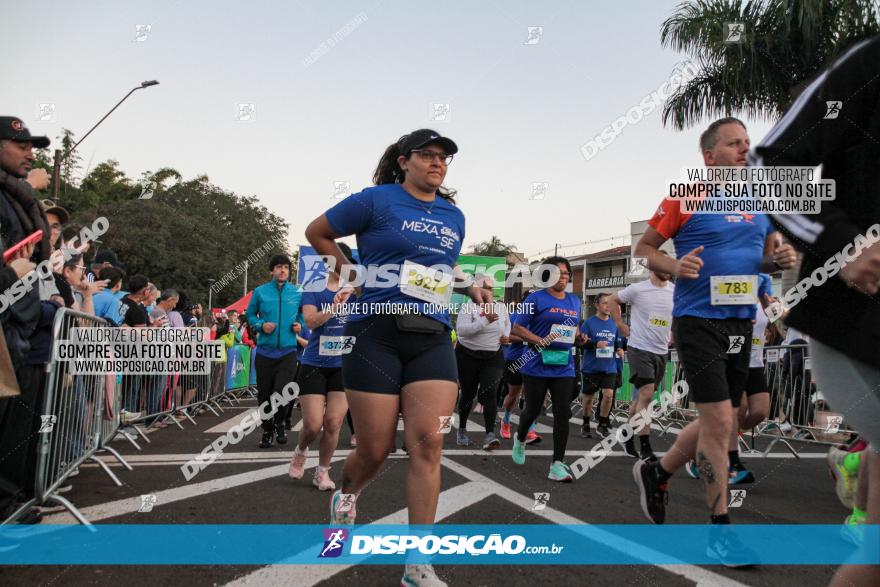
[[283, 307]]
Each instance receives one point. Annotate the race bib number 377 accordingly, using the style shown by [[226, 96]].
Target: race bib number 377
[[335, 346]]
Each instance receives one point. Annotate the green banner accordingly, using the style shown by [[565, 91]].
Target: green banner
[[238, 366], [494, 267]]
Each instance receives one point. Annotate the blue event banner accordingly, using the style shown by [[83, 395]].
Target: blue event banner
[[522, 544]]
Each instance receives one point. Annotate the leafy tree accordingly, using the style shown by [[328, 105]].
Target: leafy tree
[[493, 248], [70, 160], [184, 234], [784, 44], [42, 160]]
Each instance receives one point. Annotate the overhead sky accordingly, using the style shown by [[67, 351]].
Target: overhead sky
[[520, 104]]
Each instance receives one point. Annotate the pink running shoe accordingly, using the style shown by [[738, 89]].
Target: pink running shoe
[[297, 464], [322, 481], [533, 437]]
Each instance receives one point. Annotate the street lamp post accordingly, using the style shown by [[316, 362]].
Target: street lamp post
[[59, 158]]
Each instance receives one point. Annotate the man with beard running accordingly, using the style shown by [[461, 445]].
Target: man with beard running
[[720, 256]]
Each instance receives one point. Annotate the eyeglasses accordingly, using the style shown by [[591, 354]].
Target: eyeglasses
[[428, 156]]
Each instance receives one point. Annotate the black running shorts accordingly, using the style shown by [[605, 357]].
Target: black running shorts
[[511, 373], [319, 380], [593, 382], [756, 383], [385, 359], [715, 356]]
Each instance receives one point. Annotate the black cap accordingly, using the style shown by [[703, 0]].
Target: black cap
[[106, 256], [419, 138], [13, 128], [279, 259]]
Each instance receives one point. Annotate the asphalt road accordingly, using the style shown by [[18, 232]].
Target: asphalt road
[[250, 486]]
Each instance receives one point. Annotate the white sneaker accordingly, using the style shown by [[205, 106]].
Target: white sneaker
[[420, 576]]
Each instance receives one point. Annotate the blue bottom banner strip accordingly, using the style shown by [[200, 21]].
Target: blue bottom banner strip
[[525, 544]]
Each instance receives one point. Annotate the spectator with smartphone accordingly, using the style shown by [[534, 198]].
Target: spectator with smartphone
[[20, 216]]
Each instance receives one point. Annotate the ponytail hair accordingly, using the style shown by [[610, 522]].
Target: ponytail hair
[[388, 171]]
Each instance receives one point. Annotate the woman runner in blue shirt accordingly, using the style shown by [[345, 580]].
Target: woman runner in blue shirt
[[406, 226], [548, 322]]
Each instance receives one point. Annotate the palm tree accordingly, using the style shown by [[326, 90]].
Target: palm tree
[[493, 248], [784, 43]]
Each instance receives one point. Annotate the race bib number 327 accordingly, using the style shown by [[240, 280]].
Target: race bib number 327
[[426, 284]]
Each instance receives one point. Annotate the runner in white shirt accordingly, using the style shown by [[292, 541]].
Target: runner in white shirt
[[481, 332], [651, 302]]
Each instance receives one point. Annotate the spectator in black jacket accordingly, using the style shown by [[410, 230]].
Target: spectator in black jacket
[[20, 216]]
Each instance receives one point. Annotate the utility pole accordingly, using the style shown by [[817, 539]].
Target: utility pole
[[56, 173], [56, 170]]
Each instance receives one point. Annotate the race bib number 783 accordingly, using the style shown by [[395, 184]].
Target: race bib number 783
[[734, 290]]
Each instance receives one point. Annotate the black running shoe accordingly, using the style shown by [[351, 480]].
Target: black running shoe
[[629, 449], [726, 547], [282, 436], [649, 456], [266, 441], [585, 432], [652, 493], [603, 430]]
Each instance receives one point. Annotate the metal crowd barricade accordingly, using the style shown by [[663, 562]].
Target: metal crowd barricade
[[223, 391], [677, 414], [73, 421], [193, 392], [160, 398], [154, 399], [123, 391], [794, 401]]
